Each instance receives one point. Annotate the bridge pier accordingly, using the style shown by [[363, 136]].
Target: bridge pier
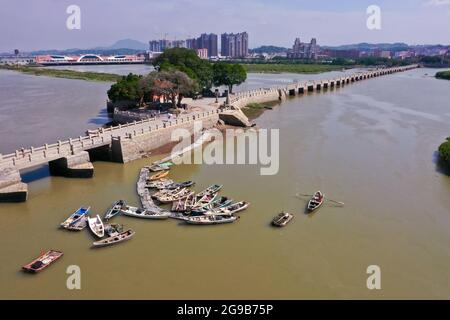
[[74, 166], [12, 189]]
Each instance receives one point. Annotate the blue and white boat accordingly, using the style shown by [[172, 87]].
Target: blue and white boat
[[76, 217]]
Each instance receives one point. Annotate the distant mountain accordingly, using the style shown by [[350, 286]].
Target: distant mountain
[[129, 44], [398, 46], [268, 49], [125, 46]]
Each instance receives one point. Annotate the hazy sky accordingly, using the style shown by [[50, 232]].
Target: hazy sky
[[41, 24]]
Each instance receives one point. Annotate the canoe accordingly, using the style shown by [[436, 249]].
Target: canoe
[[184, 184], [211, 219], [219, 202], [114, 210], [159, 184], [282, 219], [43, 261], [158, 167], [96, 226], [316, 201], [210, 190], [183, 205], [159, 175], [145, 214], [165, 193], [75, 217], [120, 237], [204, 201], [182, 194], [113, 229], [232, 208]]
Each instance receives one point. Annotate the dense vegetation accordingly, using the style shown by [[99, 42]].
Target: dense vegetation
[[69, 74], [204, 72], [443, 75], [444, 151], [173, 85]]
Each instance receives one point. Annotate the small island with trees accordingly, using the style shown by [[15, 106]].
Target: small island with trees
[[443, 75], [444, 152], [179, 73]]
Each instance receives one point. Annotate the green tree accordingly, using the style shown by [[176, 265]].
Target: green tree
[[187, 61], [173, 84], [225, 74], [444, 151], [126, 89]]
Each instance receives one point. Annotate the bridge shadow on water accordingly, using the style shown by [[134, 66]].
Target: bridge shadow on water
[[101, 118], [36, 173], [441, 166]]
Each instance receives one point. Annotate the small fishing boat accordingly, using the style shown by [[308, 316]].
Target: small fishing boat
[[96, 226], [182, 194], [114, 210], [164, 193], [113, 229], [184, 184], [282, 219], [316, 201], [204, 201], [183, 205], [159, 184], [43, 261], [159, 175], [145, 214], [159, 167], [232, 208], [219, 202], [120, 237], [210, 190], [211, 219], [75, 217]]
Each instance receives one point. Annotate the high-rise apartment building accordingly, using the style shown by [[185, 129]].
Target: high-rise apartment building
[[234, 45], [303, 50]]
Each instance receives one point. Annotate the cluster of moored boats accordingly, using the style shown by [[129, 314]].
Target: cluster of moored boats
[[206, 207]]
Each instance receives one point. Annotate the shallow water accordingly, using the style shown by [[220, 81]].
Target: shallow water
[[371, 145]]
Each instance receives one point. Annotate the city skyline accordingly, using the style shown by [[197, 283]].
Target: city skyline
[[34, 26]]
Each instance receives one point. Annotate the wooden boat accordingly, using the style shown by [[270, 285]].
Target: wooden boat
[[204, 201], [184, 184], [113, 229], [75, 217], [210, 190], [282, 219], [145, 214], [183, 205], [160, 184], [43, 261], [219, 202], [181, 194], [232, 208], [114, 210], [120, 237], [165, 192], [316, 201], [160, 167], [96, 226], [211, 219], [159, 175]]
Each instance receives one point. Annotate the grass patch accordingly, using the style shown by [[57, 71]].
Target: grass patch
[[443, 75], [68, 74], [254, 110], [291, 68]]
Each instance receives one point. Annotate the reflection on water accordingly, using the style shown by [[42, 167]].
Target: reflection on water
[[369, 145]]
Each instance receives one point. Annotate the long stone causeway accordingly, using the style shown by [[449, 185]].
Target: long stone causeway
[[134, 140]]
